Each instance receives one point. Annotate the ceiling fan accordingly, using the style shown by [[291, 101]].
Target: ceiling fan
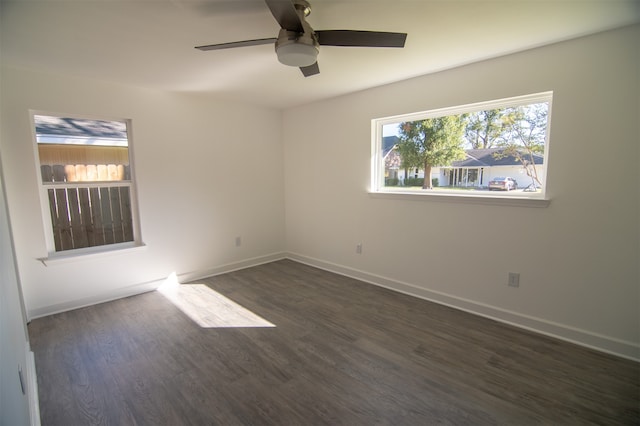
[[297, 44]]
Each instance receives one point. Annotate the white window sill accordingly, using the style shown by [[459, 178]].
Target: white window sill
[[91, 254], [448, 197]]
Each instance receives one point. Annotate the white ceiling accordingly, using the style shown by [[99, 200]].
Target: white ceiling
[[150, 43]]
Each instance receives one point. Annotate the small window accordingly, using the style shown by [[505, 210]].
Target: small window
[[86, 183], [496, 149]]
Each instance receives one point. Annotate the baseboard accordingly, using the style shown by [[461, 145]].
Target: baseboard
[[230, 267], [618, 347], [118, 293], [140, 288], [621, 348]]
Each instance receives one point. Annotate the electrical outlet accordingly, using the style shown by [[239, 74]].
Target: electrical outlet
[[238, 241], [359, 248], [514, 279]]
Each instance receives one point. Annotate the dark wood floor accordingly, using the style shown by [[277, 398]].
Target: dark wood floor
[[342, 353]]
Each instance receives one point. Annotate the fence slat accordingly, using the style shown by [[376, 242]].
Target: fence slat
[[85, 216], [112, 172], [116, 215], [70, 172], [127, 218], [102, 172], [58, 173], [54, 219], [107, 221], [78, 232], [81, 172], [62, 219], [92, 172], [96, 216], [47, 173]]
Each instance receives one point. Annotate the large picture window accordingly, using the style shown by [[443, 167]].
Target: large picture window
[[496, 149], [86, 180]]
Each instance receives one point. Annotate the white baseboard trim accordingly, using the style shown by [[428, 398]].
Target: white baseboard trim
[[118, 293], [230, 267], [618, 347], [614, 346], [140, 288]]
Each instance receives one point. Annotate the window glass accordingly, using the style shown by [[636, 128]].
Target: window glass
[[86, 181], [466, 150]]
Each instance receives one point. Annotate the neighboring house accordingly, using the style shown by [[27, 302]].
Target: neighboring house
[[391, 157], [476, 170]]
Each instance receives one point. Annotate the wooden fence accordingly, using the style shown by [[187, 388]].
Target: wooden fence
[[84, 173], [88, 214]]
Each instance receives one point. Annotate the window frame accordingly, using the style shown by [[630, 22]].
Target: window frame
[[43, 188], [379, 190]]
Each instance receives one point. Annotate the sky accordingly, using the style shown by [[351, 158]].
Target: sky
[[390, 130]]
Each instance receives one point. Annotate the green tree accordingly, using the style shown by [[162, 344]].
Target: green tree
[[408, 158], [484, 129], [431, 142]]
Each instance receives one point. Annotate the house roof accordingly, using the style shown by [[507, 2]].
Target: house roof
[[388, 142], [474, 157], [65, 130], [490, 158], [48, 125]]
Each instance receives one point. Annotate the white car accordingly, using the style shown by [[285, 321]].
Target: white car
[[502, 183]]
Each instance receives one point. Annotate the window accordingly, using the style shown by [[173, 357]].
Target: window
[[86, 183], [463, 150]]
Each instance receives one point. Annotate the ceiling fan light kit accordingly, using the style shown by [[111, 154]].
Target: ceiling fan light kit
[[296, 50], [298, 44], [297, 55]]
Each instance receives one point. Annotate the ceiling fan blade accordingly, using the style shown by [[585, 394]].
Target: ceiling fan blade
[[285, 13], [310, 70], [360, 38], [233, 44]]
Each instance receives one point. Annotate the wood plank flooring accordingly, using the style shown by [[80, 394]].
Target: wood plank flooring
[[343, 352]]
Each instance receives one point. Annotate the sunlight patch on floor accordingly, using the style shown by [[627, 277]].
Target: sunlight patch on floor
[[207, 307]]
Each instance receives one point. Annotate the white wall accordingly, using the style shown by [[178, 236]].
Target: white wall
[[207, 171], [578, 258]]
